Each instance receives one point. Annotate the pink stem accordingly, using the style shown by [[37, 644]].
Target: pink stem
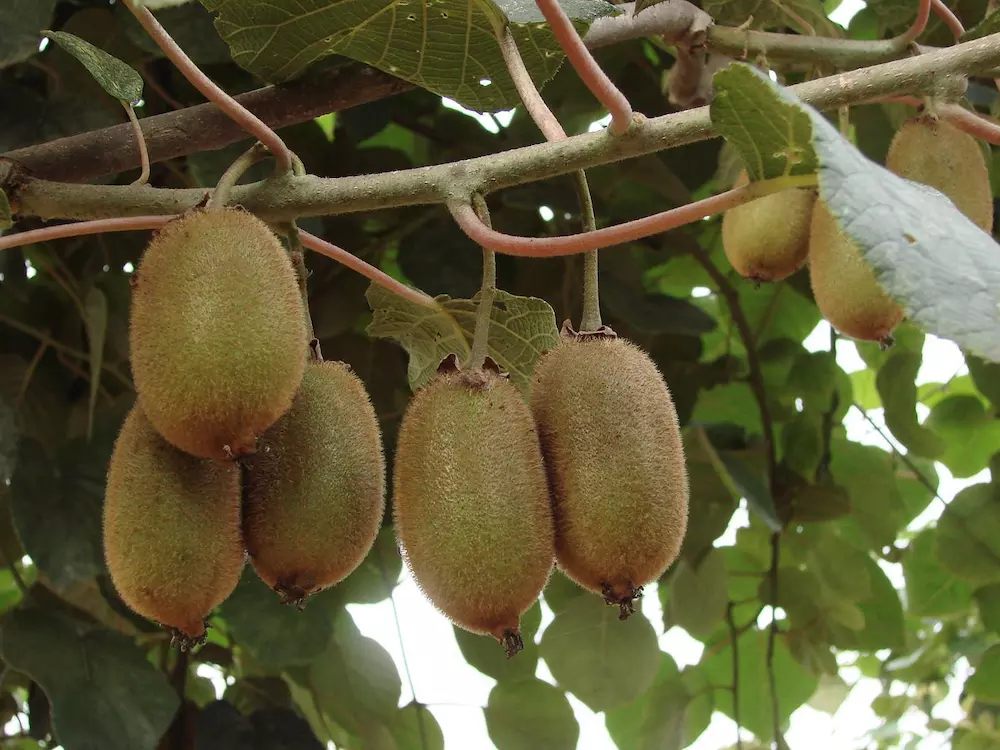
[[950, 19], [76, 229], [211, 91], [533, 102], [550, 247], [919, 23], [586, 66], [972, 123], [365, 269]]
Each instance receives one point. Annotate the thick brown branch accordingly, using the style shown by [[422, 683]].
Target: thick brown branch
[[290, 198], [204, 127]]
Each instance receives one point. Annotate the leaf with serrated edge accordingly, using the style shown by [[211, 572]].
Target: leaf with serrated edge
[[773, 137], [521, 329], [928, 256], [448, 47], [114, 76]]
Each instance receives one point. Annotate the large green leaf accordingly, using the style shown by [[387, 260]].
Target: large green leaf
[[448, 47], [277, 634], [659, 719], [883, 617], [521, 330], [489, 657], [603, 661], [968, 539], [115, 77], [22, 22], [104, 692], [528, 714], [898, 392], [985, 681], [868, 476], [988, 603], [932, 591], [972, 435], [415, 728], [698, 595]]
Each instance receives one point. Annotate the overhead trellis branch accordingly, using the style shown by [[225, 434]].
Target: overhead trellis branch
[[290, 197]]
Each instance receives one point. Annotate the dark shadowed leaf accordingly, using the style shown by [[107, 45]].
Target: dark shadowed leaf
[[528, 714], [986, 375], [277, 634], [988, 603], [603, 661], [22, 22], [104, 692], [115, 77], [450, 48], [96, 321], [282, 729], [931, 590], [221, 727], [521, 330]]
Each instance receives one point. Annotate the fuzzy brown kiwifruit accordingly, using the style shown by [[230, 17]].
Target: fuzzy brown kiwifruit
[[171, 529], [471, 507], [314, 493], [612, 446], [768, 239], [936, 153], [844, 285], [217, 336]]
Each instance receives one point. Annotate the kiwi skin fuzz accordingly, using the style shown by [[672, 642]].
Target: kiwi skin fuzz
[[844, 285], [218, 337], [471, 507], [768, 239], [612, 445], [171, 529], [936, 153], [314, 493]]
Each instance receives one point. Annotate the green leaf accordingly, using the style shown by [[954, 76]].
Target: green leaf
[[868, 476], [802, 444], [96, 321], [104, 692], [603, 661], [447, 48], [115, 77], [277, 634], [355, 680], [883, 617], [415, 728], [794, 685], [931, 591], [529, 714], [489, 657], [521, 330], [972, 435], [560, 591], [22, 22], [658, 719], [770, 15], [699, 596], [986, 375], [898, 392], [988, 603], [376, 577], [6, 218], [985, 682], [968, 539], [773, 137], [816, 503], [57, 503], [989, 25]]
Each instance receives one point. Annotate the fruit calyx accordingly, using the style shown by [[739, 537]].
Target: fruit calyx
[[511, 641], [604, 333], [622, 595], [184, 641], [477, 377]]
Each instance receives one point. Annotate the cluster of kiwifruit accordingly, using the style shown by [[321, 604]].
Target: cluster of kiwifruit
[[241, 440], [490, 491], [772, 237]]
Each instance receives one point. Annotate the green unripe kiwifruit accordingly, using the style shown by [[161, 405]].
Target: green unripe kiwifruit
[[768, 239], [218, 337], [171, 529], [844, 285], [471, 506], [315, 490], [612, 446], [936, 153]]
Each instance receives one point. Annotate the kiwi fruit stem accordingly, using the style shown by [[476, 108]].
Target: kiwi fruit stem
[[487, 291], [590, 319]]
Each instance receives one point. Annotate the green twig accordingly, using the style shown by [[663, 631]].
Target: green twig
[[220, 196], [484, 311], [590, 320], [734, 638]]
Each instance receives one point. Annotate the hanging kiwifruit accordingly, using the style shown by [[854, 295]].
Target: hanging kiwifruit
[[218, 336], [171, 529], [471, 506], [612, 446], [844, 285], [315, 490], [935, 152], [768, 238]]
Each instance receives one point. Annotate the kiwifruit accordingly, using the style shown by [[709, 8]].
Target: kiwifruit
[[218, 335], [471, 507], [844, 285], [171, 529], [314, 492], [768, 239], [935, 152], [612, 447]]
